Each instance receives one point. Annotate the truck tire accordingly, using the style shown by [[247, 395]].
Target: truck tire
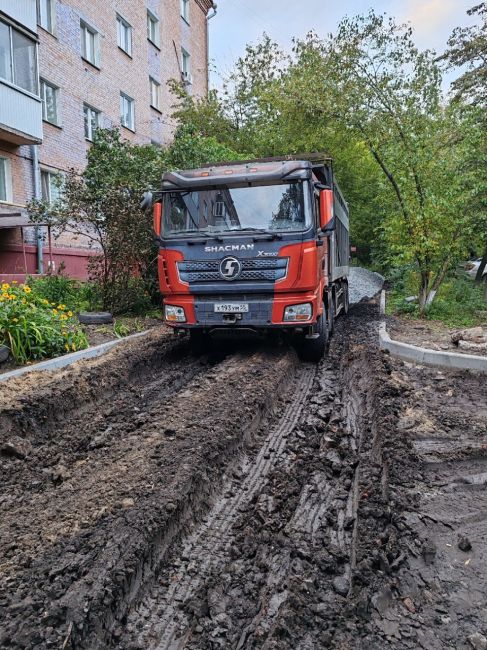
[[314, 349], [345, 298], [95, 317]]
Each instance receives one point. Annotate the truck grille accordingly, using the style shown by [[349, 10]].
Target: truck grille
[[265, 269]]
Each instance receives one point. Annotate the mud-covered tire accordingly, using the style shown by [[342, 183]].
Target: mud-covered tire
[[345, 298], [4, 352], [95, 317], [314, 349]]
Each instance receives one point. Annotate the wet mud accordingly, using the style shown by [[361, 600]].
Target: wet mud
[[159, 500]]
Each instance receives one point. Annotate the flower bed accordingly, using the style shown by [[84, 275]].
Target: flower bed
[[35, 328]]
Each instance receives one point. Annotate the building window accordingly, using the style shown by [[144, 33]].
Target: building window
[[124, 35], [46, 14], [50, 186], [92, 121], [90, 44], [152, 28], [185, 10], [155, 92], [18, 58], [127, 112], [185, 67], [50, 100], [5, 180]]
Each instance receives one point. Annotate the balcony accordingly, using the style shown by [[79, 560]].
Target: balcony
[[20, 116]]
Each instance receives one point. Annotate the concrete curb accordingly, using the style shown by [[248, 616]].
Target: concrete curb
[[68, 359], [424, 356]]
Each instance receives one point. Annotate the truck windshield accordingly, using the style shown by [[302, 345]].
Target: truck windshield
[[258, 208]]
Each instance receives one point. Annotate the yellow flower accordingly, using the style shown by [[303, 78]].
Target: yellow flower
[[73, 347], [12, 297], [27, 289], [63, 317], [15, 320], [23, 301], [70, 313], [5, 286], [54, 311], [64, 333], [66, 347], [44, 301], [14, 282], [61, 307]]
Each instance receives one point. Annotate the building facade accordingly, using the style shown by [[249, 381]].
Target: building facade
[[68, 67]]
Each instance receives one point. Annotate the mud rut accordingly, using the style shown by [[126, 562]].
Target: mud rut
[[157, 500]]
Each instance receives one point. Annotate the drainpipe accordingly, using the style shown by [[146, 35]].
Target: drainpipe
[[38, 197], [208, 18]]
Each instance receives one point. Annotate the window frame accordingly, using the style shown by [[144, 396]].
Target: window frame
[[186, 66], [51, 173], [6, 172], [154, 20], [122, 23], [86, 28], [131, 100], [12, 68], [42, 86], [91, 109], [184, 10], [50, 16], [154, 84]]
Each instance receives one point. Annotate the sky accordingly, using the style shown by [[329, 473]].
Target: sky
[[241, 21]]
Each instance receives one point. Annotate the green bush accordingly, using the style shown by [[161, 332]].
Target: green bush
[[34, 327]]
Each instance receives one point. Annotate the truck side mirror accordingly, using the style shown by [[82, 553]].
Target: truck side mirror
[[147, 199], [157, 218], [326, 208]]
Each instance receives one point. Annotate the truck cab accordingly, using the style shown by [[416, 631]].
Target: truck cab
[[252, 248]]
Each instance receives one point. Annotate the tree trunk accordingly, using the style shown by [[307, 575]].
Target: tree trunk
[[437, 283], [423, 292], [481, 269]]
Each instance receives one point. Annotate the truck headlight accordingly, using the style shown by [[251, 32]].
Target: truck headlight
[[174, 314], [298, 312]]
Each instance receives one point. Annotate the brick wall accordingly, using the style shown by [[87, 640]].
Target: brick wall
[[61, 64]]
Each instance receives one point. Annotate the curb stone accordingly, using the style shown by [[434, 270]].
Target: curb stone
[[425, 356], [68, 359]]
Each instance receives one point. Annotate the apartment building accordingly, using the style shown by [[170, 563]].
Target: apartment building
[[68, 67]]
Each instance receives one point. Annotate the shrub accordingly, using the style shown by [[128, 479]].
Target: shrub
[[34, 327]]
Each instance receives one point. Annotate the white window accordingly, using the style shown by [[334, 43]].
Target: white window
[[155, 93], [46, 14], [50, 185], [50, 100], [5, 180], [127, 111], [90, 44], [124, 35], [185, 10], [18, 58], [92, 120], [152, 28], [185, 66]]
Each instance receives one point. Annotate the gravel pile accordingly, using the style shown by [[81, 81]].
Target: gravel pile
[[363, 283]]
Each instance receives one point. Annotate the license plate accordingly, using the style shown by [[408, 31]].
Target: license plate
[[232, 308]]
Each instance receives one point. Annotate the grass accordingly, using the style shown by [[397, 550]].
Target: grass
[[459, 302]]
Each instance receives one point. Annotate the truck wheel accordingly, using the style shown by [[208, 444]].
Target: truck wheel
[[331, 317], [314, 349], [198, 341], [346, 304]]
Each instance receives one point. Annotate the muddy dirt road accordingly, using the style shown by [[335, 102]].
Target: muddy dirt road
[[152, 499]]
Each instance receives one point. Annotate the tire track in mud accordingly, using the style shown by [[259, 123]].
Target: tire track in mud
[[204, 550], [294, 560], [95, 529]]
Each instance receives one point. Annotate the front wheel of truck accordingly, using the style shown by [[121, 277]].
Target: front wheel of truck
[[313, 349]]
